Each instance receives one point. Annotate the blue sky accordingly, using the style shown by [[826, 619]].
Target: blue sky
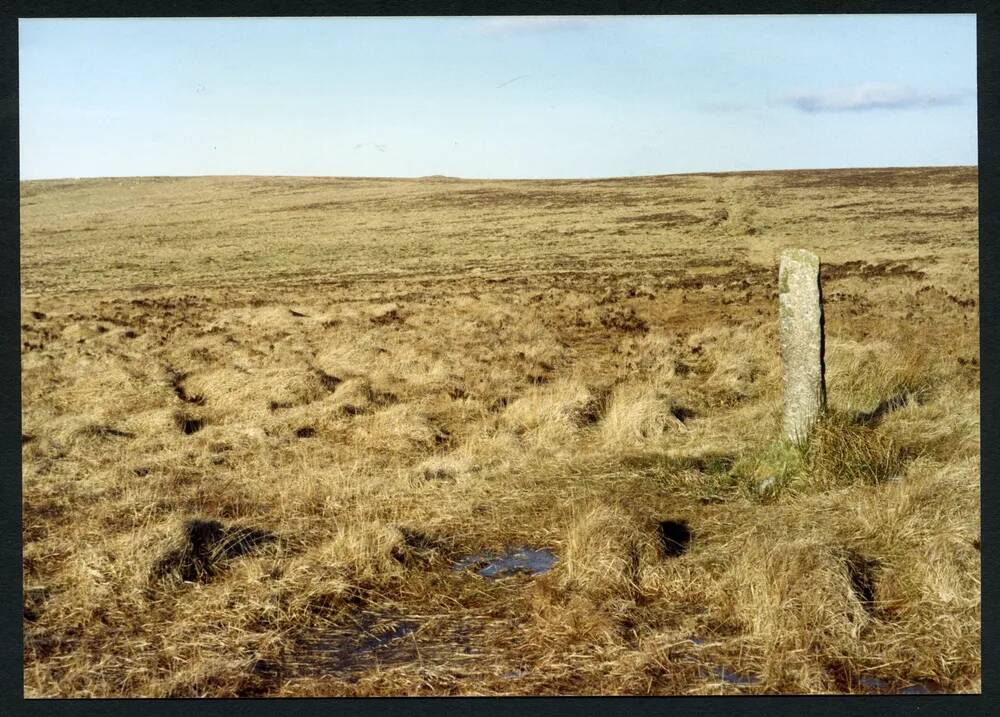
[[494, 97]]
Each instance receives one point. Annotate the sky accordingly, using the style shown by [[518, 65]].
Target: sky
[[513, 97]]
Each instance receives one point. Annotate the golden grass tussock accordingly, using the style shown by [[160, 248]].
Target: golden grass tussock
[[554, 414], [937, 583], [447, 468], [363, 552], [864, 375], [738, 364], [841, 452], [355, 395], [934, 429], [349, 359], [402, 427], [462, 437], [849, 573], [795, 599], [601, 553], [638, 414], [653, 356], [257, 391]]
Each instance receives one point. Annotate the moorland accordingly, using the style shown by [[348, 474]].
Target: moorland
[[278, 431]]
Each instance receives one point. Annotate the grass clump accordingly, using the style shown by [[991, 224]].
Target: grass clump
[[764, 473], [843, 453], [794, 599], [601, 553], [840, 452], [875, 379], [637, 414]]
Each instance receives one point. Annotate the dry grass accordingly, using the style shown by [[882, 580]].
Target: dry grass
[[264, 418]]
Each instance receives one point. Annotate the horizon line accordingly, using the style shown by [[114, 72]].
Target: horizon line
[[488, 179]]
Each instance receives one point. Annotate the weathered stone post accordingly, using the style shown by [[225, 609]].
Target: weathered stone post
[[801, 325]]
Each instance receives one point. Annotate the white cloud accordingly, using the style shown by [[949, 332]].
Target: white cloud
[[872, 96]]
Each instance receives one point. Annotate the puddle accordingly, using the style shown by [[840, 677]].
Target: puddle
[[371, 641], [379, 640], [347, 650], [515, 674], [722, 672], [370, 637], [733, 678], [523, 560], [874, 684]]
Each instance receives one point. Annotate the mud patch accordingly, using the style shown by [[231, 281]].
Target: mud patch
[[348, 650], [661, 220], [521, 560], [34, 601], [682, 414], [417, 548], [387, 315], [328, 382], [500, 404], [865, 270], [590, 412]]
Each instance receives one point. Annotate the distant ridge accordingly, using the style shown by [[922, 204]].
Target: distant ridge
[[449, 178]]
